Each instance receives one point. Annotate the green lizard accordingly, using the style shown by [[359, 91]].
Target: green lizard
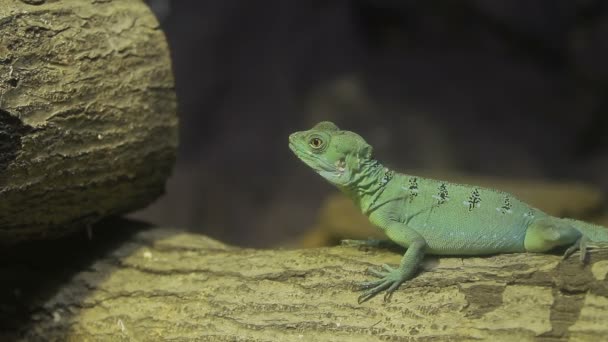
[[428, 216]]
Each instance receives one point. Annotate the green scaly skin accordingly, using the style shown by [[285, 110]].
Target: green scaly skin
[[429, 216]]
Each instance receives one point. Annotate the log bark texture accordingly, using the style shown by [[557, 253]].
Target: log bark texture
[[160, 284], [88, 124]]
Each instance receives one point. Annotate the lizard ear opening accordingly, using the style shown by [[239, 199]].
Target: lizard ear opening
[[366, 151]]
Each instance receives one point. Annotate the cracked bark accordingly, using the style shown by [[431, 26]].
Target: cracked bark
[[145, 283], [88, 124]]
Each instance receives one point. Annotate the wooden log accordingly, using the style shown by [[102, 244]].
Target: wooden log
[[88, 124], [160, 284]]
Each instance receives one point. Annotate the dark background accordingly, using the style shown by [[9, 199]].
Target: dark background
[[511, 88]]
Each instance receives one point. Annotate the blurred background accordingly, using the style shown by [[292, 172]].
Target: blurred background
[[512, 89]]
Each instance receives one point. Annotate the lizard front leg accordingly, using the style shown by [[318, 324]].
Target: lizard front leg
[[391, 278]]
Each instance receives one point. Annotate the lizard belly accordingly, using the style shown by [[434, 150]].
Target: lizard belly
[[466, 235]]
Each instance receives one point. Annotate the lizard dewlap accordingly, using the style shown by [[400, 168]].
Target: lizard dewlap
[[431, 216]]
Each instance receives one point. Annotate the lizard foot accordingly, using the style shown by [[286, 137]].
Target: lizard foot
[[580, 244], [390, 279]]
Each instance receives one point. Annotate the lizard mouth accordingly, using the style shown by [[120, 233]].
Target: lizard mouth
[[313, 161], [316, 162], [292, 147]]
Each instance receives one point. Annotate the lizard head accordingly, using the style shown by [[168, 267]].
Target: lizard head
[[335, 154]]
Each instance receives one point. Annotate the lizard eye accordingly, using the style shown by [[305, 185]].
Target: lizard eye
[[315, 142]]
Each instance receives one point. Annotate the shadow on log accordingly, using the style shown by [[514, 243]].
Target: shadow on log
[[154, 284], [88, 124]]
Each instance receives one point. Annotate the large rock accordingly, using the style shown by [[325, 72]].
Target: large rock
[[88, 124]]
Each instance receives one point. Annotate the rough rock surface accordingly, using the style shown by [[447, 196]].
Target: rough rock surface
[[88, 124]]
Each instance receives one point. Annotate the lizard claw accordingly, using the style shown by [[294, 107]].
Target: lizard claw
[[381, 274], [370, 284], [388, 268], [388, 294], [580, 244], [373, 289], [390, 280]]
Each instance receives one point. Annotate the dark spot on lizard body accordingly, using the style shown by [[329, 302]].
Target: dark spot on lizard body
[[506, 207], [443, 195], [413, 188], [474, 200], [388, 175]]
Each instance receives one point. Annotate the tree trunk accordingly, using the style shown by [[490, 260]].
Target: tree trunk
[[88, 124], [162, 284]]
